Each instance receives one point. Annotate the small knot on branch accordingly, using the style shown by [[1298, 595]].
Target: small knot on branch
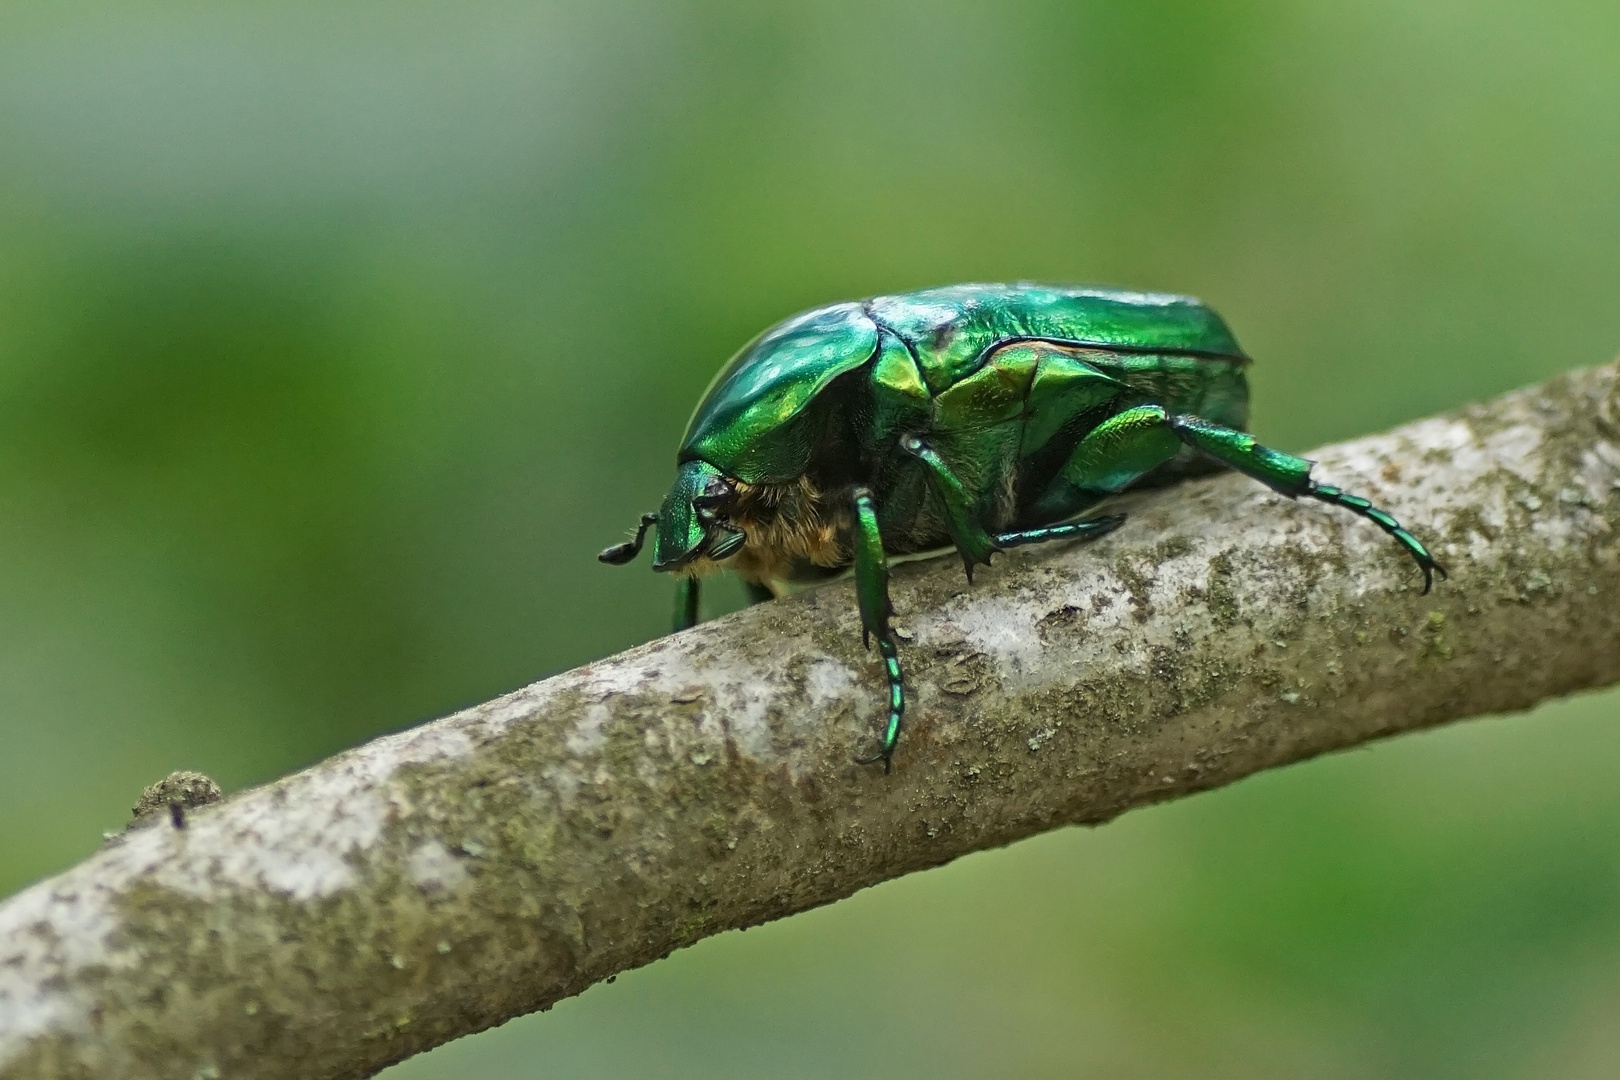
[[177, 793]]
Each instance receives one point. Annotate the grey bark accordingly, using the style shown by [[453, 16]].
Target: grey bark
[[436, 882]]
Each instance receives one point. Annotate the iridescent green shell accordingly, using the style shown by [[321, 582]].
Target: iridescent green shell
[[751, 422], [744, 425]]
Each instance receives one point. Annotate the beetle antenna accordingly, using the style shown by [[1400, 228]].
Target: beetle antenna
[[619, 554]]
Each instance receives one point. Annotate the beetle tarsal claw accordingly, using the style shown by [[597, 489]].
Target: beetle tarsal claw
[[873, 759]]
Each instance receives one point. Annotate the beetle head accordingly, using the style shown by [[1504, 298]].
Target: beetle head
[[692, 521]]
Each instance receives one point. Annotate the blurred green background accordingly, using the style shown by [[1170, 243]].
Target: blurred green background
[[336, 338]]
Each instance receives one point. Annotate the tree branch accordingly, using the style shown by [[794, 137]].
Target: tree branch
[[439, 881]]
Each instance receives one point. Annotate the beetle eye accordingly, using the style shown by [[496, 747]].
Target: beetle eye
[[718, 490]]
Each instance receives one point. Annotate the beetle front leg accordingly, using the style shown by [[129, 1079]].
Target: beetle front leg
[[1291, 476], [872, 596], [972, 542], [686, 602]]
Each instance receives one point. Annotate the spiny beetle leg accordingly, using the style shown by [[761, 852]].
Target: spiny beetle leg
[[897, 709], [1291, 476], [687, 591], [1359, 506], [619, 554], [972, 542], [1074, 530], [872, 595]]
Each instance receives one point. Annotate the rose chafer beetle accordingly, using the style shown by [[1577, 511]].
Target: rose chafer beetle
[[980, 416]]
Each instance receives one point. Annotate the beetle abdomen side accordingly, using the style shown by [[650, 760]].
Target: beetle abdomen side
[[1209, 387]]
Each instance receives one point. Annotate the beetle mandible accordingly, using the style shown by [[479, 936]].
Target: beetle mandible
[[981, 416]]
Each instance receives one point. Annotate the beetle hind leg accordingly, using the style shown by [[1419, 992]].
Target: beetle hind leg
[[1362, 508], [1291, 476]]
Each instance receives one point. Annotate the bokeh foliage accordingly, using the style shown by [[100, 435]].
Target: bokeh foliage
[[335, 338]]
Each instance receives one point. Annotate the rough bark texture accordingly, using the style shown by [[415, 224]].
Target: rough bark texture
[[436, 882]]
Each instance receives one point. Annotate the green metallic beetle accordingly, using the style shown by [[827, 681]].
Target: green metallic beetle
[[981, 416]]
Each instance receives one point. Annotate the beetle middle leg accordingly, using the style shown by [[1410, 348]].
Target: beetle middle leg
[[972, 542], [1089, 529], [872, 596]]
